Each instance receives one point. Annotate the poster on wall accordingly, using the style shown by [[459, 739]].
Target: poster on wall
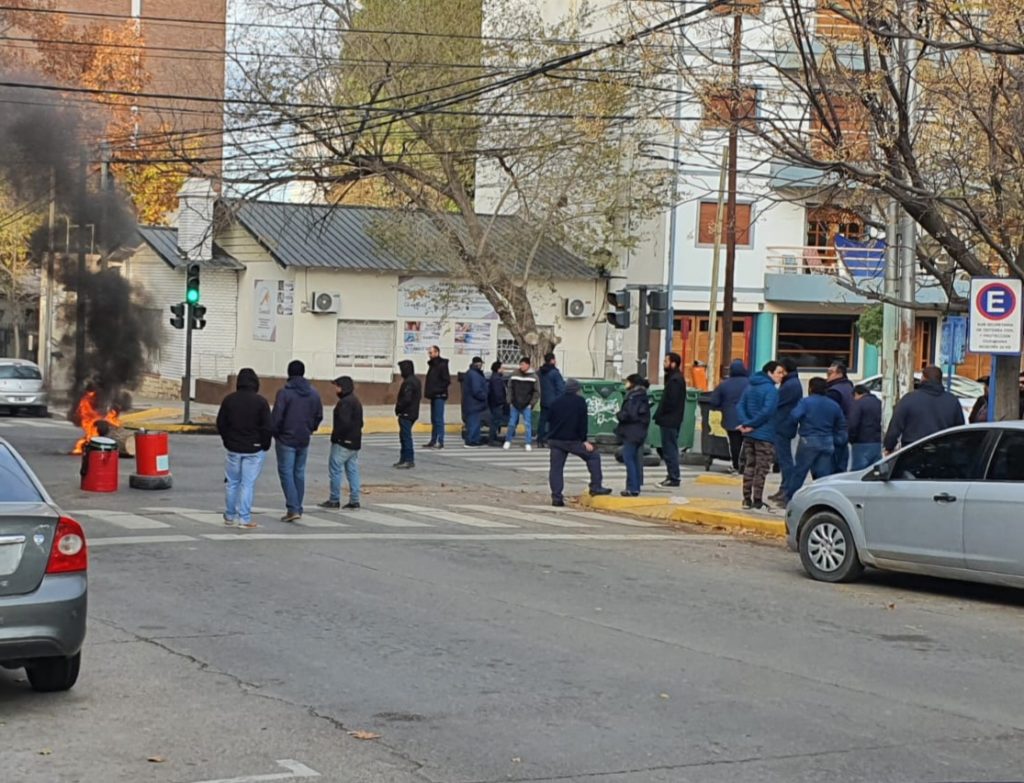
[[418, 336], [438, 298], [264, 311], [285, 297], [473, 338]]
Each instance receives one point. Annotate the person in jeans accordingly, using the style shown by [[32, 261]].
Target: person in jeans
[[298, 412], [865, 428], [474, 401], [567, 434], [791, 391], [435, 389], [552, 386], [497, 402], [522, 395], [634, 420], [346, 440], [840, 389], [756, 410], [407, 409], [670, 417], [245, 429], [822, 428], [725, 398]]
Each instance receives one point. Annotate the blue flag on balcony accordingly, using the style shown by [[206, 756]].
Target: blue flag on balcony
[[862, 259]]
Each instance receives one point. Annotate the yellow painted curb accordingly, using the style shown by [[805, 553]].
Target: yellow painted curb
[[174, 427], [619, 503], [134, 417], [695, 511], [715, 480]]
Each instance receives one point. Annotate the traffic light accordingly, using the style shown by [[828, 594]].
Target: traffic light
[[618, 316], [198, 316], [178, 311], [192, 284], [657, 304]]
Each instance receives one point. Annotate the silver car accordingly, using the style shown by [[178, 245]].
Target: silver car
[[43, 584], [949, 505], [21, 387]]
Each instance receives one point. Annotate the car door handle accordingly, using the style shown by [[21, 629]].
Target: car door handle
[[944, 497]]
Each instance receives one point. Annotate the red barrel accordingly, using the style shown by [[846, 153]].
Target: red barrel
[[99, 465], [152, 454]]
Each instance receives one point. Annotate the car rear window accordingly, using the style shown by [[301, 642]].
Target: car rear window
[[15, 484], [20, 372]]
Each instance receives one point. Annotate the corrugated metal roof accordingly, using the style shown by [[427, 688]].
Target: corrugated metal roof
[[164, 241], [368, 239]]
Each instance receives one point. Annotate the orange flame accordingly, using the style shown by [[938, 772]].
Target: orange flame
[[89, 417]]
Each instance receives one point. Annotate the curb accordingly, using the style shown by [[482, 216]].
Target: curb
[[714, 480], [134, 417], [694, 511], [150, 419]]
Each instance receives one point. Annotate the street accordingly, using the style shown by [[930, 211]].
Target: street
[[486, 637]]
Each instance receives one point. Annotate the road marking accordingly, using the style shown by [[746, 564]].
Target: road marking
[[511, 513], [441, 537], [308, 521], [386, 520], [125, 540], [444, 516], [295, 771], [600, 517], [203, 517], [124, 519]]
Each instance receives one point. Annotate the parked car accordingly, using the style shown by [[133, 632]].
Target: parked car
[[21, 387], [948, 506], [43, 583], [964, 389]]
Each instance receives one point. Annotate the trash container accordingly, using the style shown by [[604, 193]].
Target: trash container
[[686, 429], [713, 445], [604, 398]]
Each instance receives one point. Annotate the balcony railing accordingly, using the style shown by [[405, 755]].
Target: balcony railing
[[849, 262]]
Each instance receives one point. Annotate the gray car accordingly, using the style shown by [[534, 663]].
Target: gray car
[[949, 505], [43, 584], [21, 387]]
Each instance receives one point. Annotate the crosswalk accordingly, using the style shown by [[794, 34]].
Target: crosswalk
[[20, 422]]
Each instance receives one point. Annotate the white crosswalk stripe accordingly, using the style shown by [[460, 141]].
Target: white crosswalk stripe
[[36, 423], [526, 516], [309, 521], [445, 516], [607, 518], [123, 519], [385, 520]]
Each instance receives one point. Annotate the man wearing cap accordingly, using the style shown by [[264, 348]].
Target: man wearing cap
[[567, 434], [346, 441], [298, 412], [474, 401]]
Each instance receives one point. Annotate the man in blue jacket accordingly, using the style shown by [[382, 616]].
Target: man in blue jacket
[[822, 429], [791, 391], [840, 389], [567, 434], [725, 398], [474, 401], [297, 414], [552, 386], [757, 423], [497, 402]]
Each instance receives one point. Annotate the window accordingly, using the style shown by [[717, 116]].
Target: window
[[840, 128], [15, 484], [706, 224], [365, 343], [814, 342], [830, 23], [718, 102], [1008, 461], [824, 224], [21, 372], [952, 457]]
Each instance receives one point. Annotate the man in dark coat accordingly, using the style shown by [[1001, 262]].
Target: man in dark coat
[[923, 412], [634, 420], [670, 417], [245, 428], [552, 386], [865, 429], [435, 389], [725, 398], [567, 434], [346, 441], [474, 401], [791, 392], [298, 412], [497, 402], [407, 409], [522, 395], [840, 389]]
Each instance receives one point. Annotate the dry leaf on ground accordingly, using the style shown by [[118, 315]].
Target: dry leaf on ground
[[360, 734]]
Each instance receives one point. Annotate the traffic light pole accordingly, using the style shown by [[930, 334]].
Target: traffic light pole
[[188, 366], [643, 335]]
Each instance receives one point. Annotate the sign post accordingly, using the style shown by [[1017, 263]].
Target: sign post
[[954, 345], [995, 323]]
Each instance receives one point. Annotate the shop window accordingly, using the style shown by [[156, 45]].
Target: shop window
[[814, 342], [706, 224], [365, 344]]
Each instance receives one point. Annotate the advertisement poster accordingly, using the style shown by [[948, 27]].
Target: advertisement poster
[[285, 297], [418, 336], [473, 338], [438, 298], [264, 310]]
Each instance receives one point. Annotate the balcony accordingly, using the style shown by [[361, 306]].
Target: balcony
[[785, 176]]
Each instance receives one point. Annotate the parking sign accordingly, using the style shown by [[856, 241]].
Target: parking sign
[[995, 325]]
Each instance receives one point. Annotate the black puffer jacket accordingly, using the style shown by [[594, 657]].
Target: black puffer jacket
[[438, 379], [407, 406], [634, 416], [348, 416], [243, 420], [673, 401]]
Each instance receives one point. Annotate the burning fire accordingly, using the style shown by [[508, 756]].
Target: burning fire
[[90, 417]]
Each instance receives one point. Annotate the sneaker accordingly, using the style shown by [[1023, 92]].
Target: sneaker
[[508, 445], [627, 494], [760, 505], [230, 522], [600, 491], [777, 497], [405, 465], [439, 446], [471, 445], [351, 506], [668, 483], [330, 504], [248, 525], [747, 504], [400, 463], [430, 445], [529, 447], [291, 516], [559, 503]]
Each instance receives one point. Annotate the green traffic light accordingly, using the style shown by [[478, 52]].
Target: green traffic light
[[192, 295]]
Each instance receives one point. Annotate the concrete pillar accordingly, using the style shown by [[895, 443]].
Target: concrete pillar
[[870, 363], [764, 340]]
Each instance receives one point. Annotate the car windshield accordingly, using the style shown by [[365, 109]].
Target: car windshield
[[20, 372], [15, 484]]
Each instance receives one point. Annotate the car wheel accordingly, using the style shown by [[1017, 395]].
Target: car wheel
[[47, 675], [827, 550], [42, 412]]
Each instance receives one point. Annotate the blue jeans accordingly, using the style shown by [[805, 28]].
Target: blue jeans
[[514, 415], [497, 419], [405, 441], [633, 456], [670, 451], [473, 424], [784, 456], [346, 460], [437, 421], [841, 459], [291, 469], [814, 455], [241, 472], [864, 455]]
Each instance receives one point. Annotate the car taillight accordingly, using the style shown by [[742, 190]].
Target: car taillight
[[69, 552]]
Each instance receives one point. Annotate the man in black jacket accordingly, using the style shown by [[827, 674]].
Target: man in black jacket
[[865, 429], [297, 414], [407, 409], [923, 412], [567, 434], [670, 417], [243, 422], [840, 389], [346, 440], [435, 389]]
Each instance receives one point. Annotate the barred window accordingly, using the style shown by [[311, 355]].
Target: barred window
[[365, 343]]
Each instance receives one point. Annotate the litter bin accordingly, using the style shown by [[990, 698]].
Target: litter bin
[[713, 444], [686, 429], [604, 398]]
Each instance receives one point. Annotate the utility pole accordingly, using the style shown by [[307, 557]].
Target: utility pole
[[890, 313], [80, 366], [734, 133], [47, 321], [643, 335], [716, 254], [908, 239]]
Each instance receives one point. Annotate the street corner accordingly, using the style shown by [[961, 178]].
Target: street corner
[[708, 512], [618, 503], [718, 480], [134, 419]]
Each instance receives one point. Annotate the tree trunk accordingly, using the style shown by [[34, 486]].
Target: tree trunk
[[1007, 386], [16, 327]]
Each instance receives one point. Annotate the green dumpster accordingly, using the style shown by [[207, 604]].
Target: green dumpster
[[604, 398], [686, 430]]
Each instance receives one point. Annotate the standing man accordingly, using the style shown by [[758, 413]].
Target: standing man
[[865, 427], [840, 389], [435, 389], [245, 428], [724, 399], [791, 391], [407, 409], [346, 440], [497, 401], [522, 394], [552, 386], [757, 423], [567, 434], [822, 428], [298, 412], [923, 412], [474, 401], [670, 417], [634, 420]]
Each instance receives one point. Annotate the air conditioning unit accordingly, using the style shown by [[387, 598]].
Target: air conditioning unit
[[325, 303], [578, 308]]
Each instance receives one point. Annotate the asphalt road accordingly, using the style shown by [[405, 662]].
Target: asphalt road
[[484, 639]]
